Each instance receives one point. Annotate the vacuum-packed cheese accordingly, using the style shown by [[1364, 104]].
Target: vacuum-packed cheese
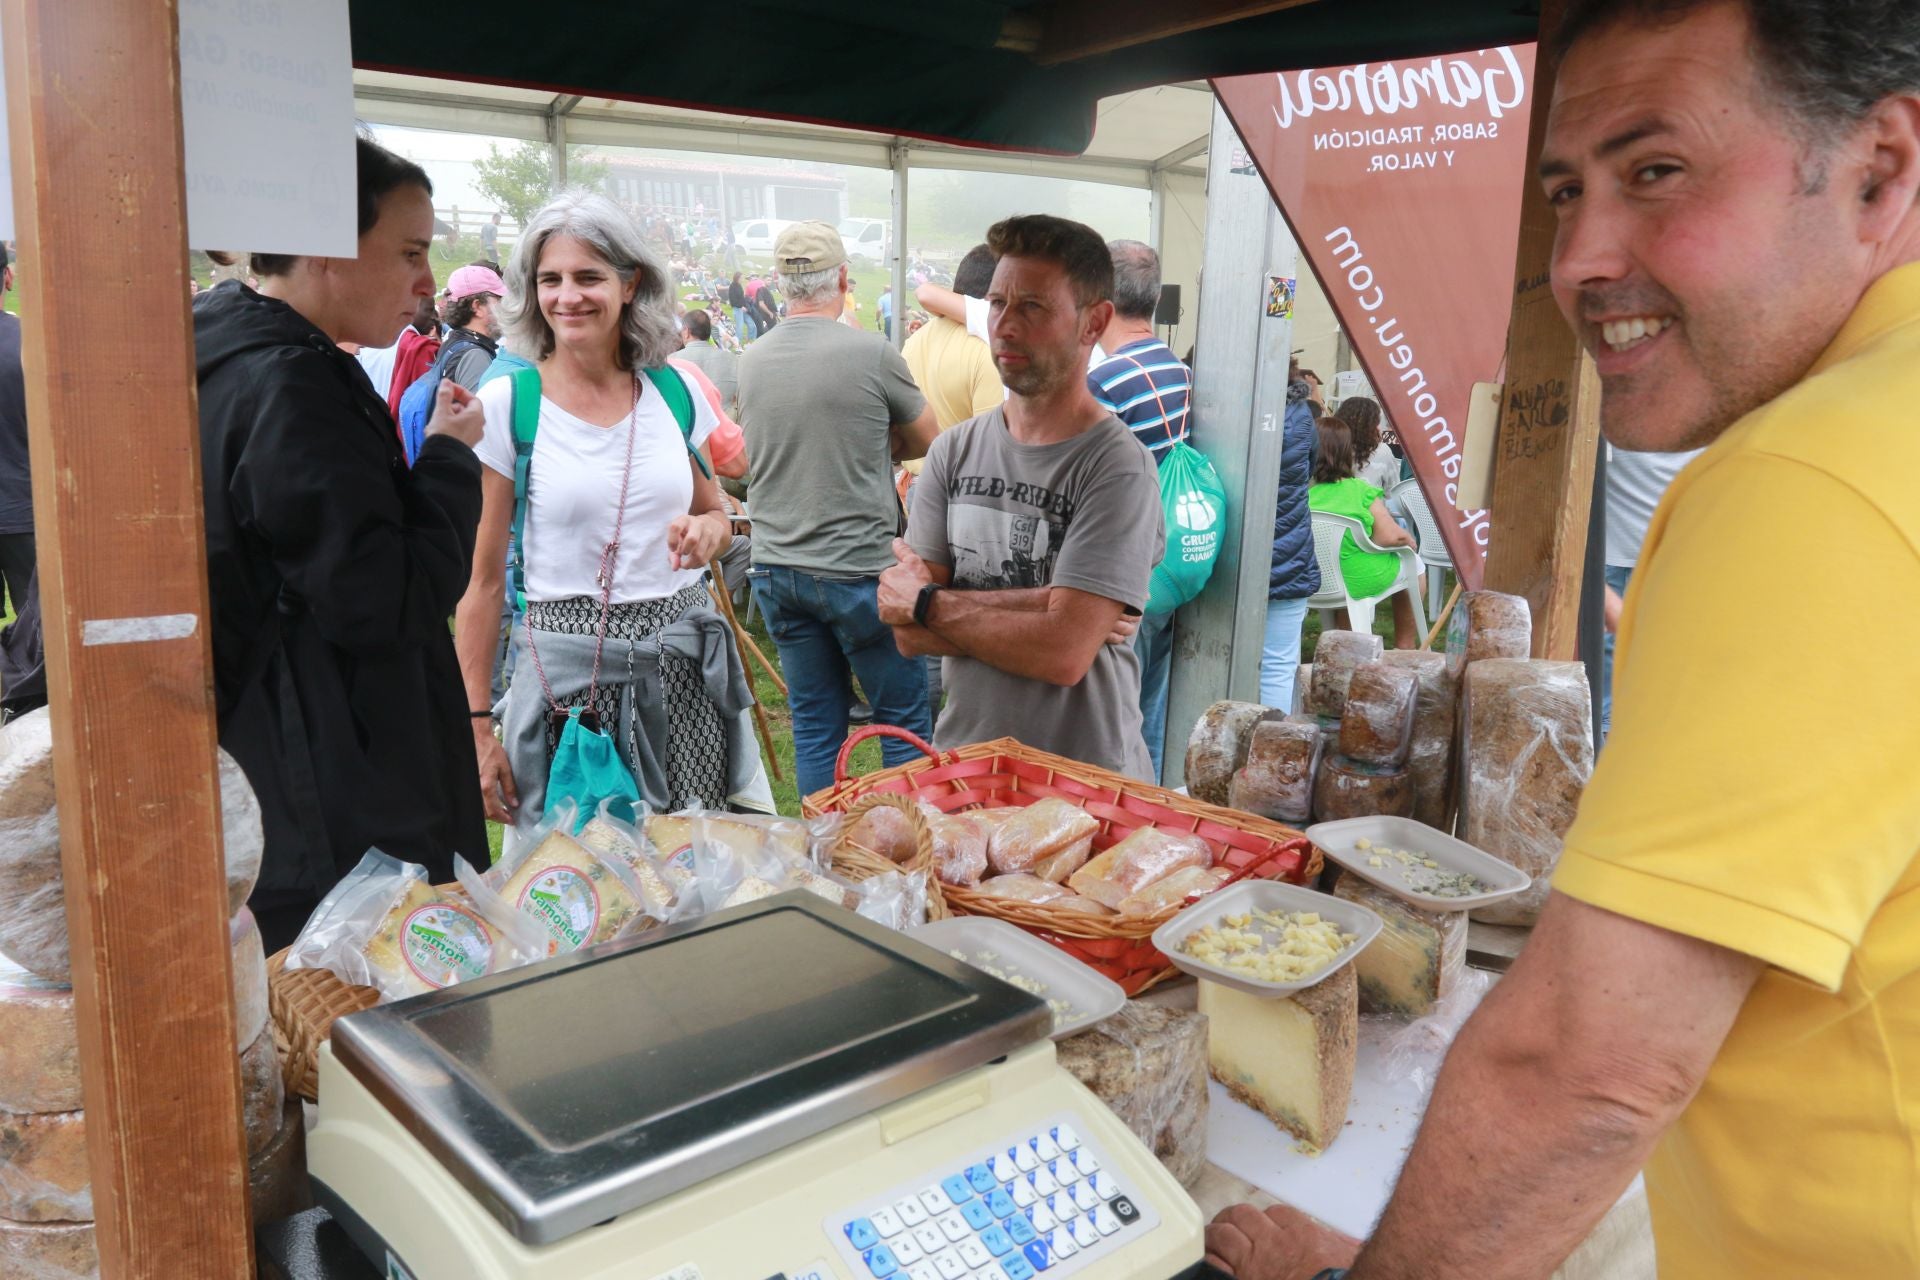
[[1346, 788], [1431, 747], [1142, 859], [576, 896], [1218, 746], [43, 1168], [48, 1251], [1277, 780], [1173, 891], [1526, 752], [1417, 958], [1148, 1063], [1488, 624], [39, 1048], [1376, 726], [1290, 1059], [277, 1173], [1336, 656], [263, 1093], [1043, 828]]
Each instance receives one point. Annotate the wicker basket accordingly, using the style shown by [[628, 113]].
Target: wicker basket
[[1005, 772], [857, 862], [304, 1004]]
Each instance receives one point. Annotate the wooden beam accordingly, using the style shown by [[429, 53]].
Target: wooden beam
[[1549, 422], [93, 108], [1075, 29]]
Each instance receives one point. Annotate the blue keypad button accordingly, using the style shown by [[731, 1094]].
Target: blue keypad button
[[861, 1234], [978, 1216], [1039, 1255], [997, 1242], [981, 1179], [1001, 1203], [957, 1189], [1017, 1268], [1020, 1231], [881, 1262]]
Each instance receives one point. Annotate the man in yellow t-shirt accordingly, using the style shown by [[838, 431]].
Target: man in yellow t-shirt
[[953, 368], [1725, 984]]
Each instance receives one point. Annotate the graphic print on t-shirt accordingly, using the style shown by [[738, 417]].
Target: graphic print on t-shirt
[[1005, 534]]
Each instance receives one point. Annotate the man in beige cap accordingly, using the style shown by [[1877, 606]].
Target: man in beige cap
[[828, 410]]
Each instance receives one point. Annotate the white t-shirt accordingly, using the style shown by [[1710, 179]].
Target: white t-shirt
[[1382, 470], [575, 486], [379, 362]]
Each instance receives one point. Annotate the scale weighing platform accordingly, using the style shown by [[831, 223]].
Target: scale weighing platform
[[783, 1091]]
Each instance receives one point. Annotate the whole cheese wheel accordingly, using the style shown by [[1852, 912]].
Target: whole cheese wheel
[[1377, 725], [39, 1049], [1218, 746], [263, 1093], [1277, 780], [1431, 749], [1335, 657], [277, 1173], [1302, 684], [48, 1251], [1149, 1064], [1488, 624], [249, 979], [1526, 740], [43, 1168], [1351, 789]]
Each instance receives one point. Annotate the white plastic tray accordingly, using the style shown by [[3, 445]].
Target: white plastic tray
[[1264, 895], [989, 944], [1338, 840]]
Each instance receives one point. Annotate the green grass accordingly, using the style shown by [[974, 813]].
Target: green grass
[[1382, 623]]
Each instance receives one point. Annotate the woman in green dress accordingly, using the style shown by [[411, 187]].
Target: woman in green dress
[[1338, 489]]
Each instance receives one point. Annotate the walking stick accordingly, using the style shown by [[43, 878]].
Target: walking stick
[[1445, 612], [724, 599]]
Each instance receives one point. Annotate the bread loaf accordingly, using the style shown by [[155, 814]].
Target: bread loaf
[[1346, 788], [39, 1049], [1148, 1063], [883, 830], [1376, 726], [277, 1173], [1058, 866], [48, 1251], [1277, 780], [263, 1094], [1526, 753], [1143, 858], [1488, 624], [1335, 657], [43, 1168], [1418, 957], [1218, 746], [959, 847], [1045, 827], [1430, 755]]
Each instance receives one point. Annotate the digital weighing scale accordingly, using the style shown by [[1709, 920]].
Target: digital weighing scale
[[780, 1090]]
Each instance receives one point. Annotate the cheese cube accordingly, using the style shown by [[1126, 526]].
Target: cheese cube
[[1417, 958], [1290, 1059]]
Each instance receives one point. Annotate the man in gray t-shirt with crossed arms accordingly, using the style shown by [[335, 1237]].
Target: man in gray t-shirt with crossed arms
[[1035, 526]]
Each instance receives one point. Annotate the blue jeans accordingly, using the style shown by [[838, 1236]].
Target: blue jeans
[[828, 629], [1280, 655], [1153, 644], [1617, 577], [744, 327]]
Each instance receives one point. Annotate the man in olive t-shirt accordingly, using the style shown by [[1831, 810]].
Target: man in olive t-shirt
[[1036, 525]]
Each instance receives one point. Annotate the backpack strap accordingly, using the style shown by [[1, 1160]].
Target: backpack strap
[[673, 389], [526, 423]]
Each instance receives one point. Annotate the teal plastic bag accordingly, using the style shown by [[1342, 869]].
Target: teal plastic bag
[[1195, 505], [587, 770]]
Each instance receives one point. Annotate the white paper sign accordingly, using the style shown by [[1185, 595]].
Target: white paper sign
[[266, 102]]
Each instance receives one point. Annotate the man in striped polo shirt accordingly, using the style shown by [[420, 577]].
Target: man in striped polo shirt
[[1146, 387]]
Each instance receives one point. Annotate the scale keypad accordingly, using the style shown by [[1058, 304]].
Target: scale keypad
[[1042, 1202]]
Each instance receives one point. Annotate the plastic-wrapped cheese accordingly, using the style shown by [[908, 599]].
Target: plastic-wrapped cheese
[[1346, 788], [43, 1168], [1376, 726], [39, 1049], [1290, 1059], [1148, 1063], [1277, 780], [277, 1173], [1488, 624], [249, 978], [1418, 957], [1302, 685], [1335, 657], [1218, 746], [48, 1251], [1045, 827], [263, 1094], [1526, 741], [1430, 756], [1058, 866]]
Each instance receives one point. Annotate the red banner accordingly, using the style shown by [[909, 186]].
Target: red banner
[[1401, 181]]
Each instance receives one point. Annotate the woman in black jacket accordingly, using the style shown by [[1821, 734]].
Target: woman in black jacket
[[744, 321], [333, 569]]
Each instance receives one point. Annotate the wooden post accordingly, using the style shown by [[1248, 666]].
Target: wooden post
[[1549, 421], [93, 106]]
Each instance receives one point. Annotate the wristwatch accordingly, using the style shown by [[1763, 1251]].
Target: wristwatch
[[1332, 1273], [923, 602]]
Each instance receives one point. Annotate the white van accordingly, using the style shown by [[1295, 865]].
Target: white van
[[756, 235], [867, 239]]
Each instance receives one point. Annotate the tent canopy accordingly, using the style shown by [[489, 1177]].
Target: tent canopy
[[977, 72]]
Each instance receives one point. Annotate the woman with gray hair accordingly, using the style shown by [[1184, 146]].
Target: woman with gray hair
[[596, 464]]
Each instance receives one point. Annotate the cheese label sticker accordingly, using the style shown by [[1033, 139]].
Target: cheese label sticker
[[444, 944], [566, 903], [682, 859]]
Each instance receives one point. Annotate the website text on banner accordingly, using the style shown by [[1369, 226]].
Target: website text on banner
[[1401, 181]]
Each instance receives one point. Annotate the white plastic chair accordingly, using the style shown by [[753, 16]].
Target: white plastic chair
[[1328, 530], [1426, 530]]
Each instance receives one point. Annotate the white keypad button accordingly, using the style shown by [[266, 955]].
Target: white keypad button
[[973, 1253], [925, 1271], [1043, 1147], [1063, 1207], [991, 1271], [1024, 1159], [907, 1250], [928, 1237], [1060, 1241], [1004, 1169], [910, 1211], [934, 1200], [1103, 1186], [1024, 1194], [1104, 1220], [1083, 1233], [1067, 1139], [1083, 1161], [953, 1226], [949, 1266], [1043, 1182], [887, 1223], [1043, 1219], [1061, 1169], [1084, 1197]]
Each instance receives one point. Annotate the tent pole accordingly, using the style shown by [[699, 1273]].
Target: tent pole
[[901, 303], [93, 112], [557, 140]]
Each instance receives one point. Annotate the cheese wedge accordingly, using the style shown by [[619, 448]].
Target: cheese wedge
[[1289, 1059], [1417, 958]]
